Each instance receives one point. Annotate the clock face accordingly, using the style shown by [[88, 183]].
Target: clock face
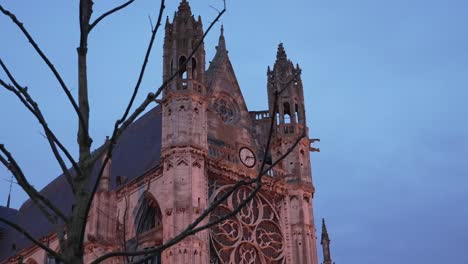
[[247, 157]]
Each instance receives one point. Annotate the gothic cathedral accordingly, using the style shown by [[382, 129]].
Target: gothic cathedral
[[191, 150]]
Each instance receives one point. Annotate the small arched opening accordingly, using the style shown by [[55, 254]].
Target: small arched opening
[[182, 68], [287, 113]]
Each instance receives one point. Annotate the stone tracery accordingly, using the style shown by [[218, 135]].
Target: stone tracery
[[252, 236], [225, 110]]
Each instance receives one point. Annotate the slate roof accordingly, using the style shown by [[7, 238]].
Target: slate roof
[[137, 151]]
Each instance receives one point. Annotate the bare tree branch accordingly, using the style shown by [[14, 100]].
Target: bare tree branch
[[108, 13], [33, 107], [46, 60], [11, 164], [31, 238], [117, 131], [143, 66]]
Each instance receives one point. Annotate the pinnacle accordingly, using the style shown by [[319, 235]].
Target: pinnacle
[[184, 9], [324, 230], [281, 54], [222, 42]]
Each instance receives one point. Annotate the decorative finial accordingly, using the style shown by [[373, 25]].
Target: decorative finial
[[184, 9], [281, 54], [222, 42]]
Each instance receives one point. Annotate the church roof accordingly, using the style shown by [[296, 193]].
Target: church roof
[[137, 151]]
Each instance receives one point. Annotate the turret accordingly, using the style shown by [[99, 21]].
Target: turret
[[181, 39], [184, 136], [184, 104], [325, 241], [290, 120], [286, 79]]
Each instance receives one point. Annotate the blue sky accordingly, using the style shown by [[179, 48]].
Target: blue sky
[[385, 84]]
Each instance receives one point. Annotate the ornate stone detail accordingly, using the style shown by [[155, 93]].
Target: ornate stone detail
[[254, 235], [226, 110]]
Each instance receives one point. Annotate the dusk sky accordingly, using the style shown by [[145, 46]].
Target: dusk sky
[[386, 85]]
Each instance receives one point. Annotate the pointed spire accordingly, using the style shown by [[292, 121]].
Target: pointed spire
[[167, 22], [325, 244], [324, 231], [281, 54], [222, 42]]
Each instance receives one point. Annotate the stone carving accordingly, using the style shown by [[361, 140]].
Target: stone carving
[[253, 236], [225, 110]]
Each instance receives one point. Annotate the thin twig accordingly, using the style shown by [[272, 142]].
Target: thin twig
[[36, 47], [11, 164], [117, 131], [33, 107], [108, 13]]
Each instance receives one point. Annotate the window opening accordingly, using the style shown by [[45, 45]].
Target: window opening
[[287, 113]]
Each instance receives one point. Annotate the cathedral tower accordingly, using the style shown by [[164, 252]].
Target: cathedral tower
[[290, 119], [184, 136], [290, 125]]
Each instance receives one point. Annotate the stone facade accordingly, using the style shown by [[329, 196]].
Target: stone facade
[[208, 141]]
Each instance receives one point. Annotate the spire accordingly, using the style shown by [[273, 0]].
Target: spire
[[281, 54], [325, 244], [184, 9], [324, 231], [167, 22], [222, 42]]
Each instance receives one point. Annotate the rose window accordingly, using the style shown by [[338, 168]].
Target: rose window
[[251, 236], [225, 110]]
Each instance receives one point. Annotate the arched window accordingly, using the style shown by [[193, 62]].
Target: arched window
[[148, 214], [148, 217], [287, 113], [182, 67]]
